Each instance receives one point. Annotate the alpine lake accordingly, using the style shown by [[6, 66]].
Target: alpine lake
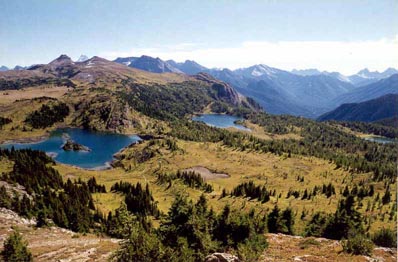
[[220, 120], [102, 146]]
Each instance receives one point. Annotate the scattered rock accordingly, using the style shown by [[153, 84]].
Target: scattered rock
[[13, 218], [221, 257], [385, 249]]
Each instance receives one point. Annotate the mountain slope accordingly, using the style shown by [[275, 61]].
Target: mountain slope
[[125, 60], [147, 63], [363, 77], [63, 71], [188, 67], [114, 97], [281, 92], [371, 91], [366, 77], [82, 58], [368, 111]]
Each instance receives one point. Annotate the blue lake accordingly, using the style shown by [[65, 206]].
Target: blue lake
[[382, 140], [218, 120], [103, 146]]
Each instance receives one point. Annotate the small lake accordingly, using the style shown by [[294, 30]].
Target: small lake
[[379, 139], [103, 146], [219, 120]]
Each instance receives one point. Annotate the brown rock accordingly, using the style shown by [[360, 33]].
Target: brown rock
[[221, 257]]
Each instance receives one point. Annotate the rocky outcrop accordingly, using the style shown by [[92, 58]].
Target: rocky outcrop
[[70, 145], [222, 90], [221, 257]]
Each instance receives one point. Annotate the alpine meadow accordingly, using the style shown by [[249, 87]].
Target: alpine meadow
[[178, 141]]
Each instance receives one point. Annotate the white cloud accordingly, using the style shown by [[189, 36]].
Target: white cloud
[[345, 57]]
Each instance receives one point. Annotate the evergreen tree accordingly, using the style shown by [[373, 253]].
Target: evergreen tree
[[288, 220], [345, 221], [273, 220], [15, 249], [386, 197]]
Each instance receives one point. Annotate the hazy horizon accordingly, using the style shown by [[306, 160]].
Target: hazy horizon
[[342, 36]]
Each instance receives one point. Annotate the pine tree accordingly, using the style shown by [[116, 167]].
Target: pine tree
[[387, 196], [273, 220], [288, 219]]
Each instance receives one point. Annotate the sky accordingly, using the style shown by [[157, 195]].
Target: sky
[[331, 35]]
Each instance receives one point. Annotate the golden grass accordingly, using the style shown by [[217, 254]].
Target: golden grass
[[275, 172], [257, 130], [17, 130], [10, 96], [5, 165]]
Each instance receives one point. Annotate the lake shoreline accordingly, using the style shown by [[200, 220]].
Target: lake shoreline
[[222, 121], [26, 140], [104, 147], [380, 139]]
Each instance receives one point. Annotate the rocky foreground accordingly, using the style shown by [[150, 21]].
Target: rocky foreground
[[56, 244], [296, 248]]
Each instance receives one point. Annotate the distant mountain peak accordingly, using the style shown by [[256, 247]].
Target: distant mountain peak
[[95, 59], [151, 64], [18, 67], [125, 60], [391, 71], [364, 71], [375, 75], [262, 69], [82, 58], [62, 59], [306, 72]]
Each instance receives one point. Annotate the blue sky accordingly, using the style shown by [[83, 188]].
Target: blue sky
[[331, 35]]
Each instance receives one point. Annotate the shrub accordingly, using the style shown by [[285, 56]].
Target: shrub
[[16, 249], [385, 237], [252, 248], [358, 245]]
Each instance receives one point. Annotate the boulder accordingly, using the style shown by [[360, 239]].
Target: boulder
[[221, 257]]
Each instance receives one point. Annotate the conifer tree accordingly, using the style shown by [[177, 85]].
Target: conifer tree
[[16, 249]]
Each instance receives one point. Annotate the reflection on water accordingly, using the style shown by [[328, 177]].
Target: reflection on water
[[103, 146]]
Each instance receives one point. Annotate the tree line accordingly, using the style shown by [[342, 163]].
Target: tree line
[[47, 115], [189, 178], [66, 204]]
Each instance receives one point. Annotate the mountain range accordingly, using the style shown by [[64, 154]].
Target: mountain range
[[309, 93], [281, 92], [147, 63], [380, 88], [363, 77]]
